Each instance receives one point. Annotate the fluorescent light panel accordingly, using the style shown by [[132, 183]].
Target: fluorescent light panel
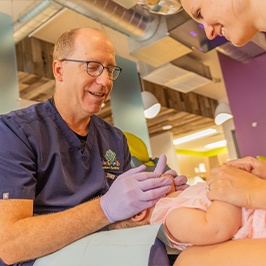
[[194, 136], [214, 145]]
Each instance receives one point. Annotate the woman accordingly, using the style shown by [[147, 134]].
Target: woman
[[237, 20]]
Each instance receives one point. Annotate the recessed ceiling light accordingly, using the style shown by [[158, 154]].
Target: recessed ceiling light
[[167, 127], [194, 136]]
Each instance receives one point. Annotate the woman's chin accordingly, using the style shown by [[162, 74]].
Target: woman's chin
[[241, 41], [238, 43]]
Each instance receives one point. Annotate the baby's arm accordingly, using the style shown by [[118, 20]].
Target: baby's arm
[[218, 224]]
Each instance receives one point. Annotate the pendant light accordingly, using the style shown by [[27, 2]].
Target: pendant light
[[150, 104], [222, 113]]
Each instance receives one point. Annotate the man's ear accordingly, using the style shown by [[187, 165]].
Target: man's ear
[[58, 70], [140, 216]]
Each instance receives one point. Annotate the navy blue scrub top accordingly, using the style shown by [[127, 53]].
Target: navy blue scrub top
[[42, 159]]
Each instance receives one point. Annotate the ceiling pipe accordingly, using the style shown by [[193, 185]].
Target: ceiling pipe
[[143, 27], [147, 32], [33, 17], [136, 22]]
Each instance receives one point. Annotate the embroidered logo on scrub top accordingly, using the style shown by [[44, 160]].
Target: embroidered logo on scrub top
[[6, 195], [110, 161]]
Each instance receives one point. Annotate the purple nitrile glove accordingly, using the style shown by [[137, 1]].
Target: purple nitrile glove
[[161, 164], [134, 191]]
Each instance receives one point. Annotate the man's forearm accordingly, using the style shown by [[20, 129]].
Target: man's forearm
[[37, 236]]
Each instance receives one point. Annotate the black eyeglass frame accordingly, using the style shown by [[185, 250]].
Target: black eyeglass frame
[[100, 72]]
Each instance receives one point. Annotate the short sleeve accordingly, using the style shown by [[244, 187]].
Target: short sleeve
[[17, 162]]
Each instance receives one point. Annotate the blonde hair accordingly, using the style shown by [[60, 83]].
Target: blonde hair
[[65, 44]]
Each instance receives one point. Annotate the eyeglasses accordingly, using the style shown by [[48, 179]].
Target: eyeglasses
[[95, 68]]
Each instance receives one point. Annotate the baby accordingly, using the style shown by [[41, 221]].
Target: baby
[[190, 218]]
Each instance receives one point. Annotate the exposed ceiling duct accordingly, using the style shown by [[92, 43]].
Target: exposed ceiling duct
[[149, 32], [153, 39], [33, 17], [149, 38], [136, 22], [151, 35]]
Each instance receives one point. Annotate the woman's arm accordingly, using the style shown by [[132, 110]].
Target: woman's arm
[[219, 223], [244, 252]]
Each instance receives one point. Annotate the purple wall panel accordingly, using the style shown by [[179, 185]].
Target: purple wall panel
[[246, 90]]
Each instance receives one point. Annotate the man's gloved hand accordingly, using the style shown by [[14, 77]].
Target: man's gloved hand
[[134, 191]]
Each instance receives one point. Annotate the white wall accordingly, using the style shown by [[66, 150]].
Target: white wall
[[228, 127], [163, 144]]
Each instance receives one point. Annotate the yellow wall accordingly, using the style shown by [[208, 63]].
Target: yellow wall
[[188, 163]]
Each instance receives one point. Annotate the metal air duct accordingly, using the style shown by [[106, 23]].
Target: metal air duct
[[149, 40], [33, 17], [136, 22]]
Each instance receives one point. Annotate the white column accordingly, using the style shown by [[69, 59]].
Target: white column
[[229, 134], [163, 143], [9, 89], [126, 102]]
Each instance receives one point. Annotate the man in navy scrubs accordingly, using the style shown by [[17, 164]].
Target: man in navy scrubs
[[58, 160]]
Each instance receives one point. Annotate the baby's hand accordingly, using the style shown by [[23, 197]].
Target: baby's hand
[[173, 184]]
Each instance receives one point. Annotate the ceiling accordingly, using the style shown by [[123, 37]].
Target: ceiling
[[38, 88]]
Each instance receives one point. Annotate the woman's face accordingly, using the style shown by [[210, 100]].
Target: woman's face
[[229, 18]]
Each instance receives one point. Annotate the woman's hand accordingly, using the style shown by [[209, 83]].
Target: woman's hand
[[239, 187], [251, 165]]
